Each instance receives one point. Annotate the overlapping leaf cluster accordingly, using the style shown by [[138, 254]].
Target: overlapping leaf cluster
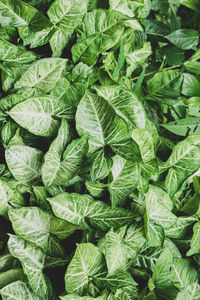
[[99, 149]]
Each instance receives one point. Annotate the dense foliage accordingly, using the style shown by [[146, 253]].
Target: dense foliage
[[99, 149]]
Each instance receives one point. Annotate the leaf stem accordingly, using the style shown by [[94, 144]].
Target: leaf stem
[[154, 72]]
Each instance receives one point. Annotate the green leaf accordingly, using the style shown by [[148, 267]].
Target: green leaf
[[127, 292], [185, 126], [183, 273], [164, 86], [60, 167], [193, 66], [101, 166], [181, 228], [8, 33], [42, 75], [52, 159], [115, 248], [10, 74], [87, 262], [145, 8], [34, 28], [104, 217], [146, 142], [113, 282], [193, 4], [8, 131], [195, 244], [66, 92], [158, 215], [72, 90], [123, 249], [191, 85], [40, 195], [74, 155], [156, 29], [10, 276], [190, 292], [38, 114], [184, 39], [15, 13], [174, 55], [95, 189], [138, 57], [15, 54], [196, 56], [66, 16], [125, 178], [162, 276], [33, 261], [58, 42], [96, 119], [125, 103], [99, 31], [182, 163], [87, 50], [18, 290], [7, 262], [148, 257], [76, 297], [9, 197], [121, 6], [24, 163], [79, 209], [39, 227], [38, 33]]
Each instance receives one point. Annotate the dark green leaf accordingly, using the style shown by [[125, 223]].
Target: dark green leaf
[[184, 39]]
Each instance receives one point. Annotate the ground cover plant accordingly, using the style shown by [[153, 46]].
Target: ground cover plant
[[99, 149]]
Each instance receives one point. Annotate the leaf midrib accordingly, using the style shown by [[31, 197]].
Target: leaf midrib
[[23, 163], [3, 4], [98, 120], [165, 84]]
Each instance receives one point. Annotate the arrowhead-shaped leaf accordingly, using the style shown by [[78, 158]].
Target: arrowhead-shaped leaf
[[15, 55], [100, 30], [87, 261], [39, 227], [79, 209], [18, 290], [96, 119], [9, 197], [182, 163], [38, 114], [184, 39], [125, 178], [42, 75], [15, 13], [125, 103], [33, 262], [66, 16], [24, 163]]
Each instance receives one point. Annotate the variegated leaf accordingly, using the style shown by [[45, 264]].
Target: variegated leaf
[[77, 209], [42, 75], [125, 103], [24, 163], [18, 290], [38, 114], [87, 261], [33, 262], [9, 197], [39, 227]]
